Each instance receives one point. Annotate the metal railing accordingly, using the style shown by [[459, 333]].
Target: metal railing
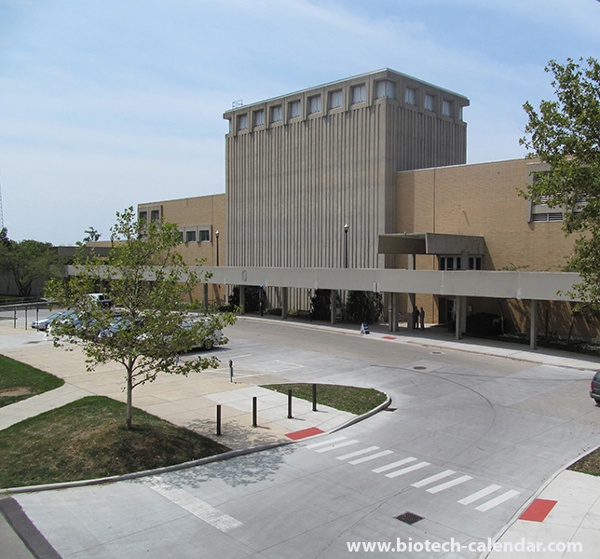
[[22, 310]]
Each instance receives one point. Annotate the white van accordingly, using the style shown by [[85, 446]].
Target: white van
[[101, 299]]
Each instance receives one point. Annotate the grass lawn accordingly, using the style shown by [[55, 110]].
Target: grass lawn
[[589, 464], [19, 381], [344, 398], [87, 439]]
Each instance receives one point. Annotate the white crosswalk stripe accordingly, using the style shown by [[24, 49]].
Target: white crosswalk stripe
[[371, 457], [336, 445], [328, 441], [394, 465], [432, 479], [408, 469], [410, 464], [479, 494], [448, 484], [358, 453], [498, 500]]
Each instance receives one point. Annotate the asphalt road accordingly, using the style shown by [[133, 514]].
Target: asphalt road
[[470, 439]]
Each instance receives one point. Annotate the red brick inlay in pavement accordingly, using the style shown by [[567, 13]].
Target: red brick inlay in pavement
[[296, 435], [388, 337], [538, 510]]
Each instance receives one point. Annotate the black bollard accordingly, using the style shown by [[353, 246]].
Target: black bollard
[[314, 397], [218, 420], [289, 404], [254, 423]]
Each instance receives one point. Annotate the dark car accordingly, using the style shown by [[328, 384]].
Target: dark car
[[595, 388]]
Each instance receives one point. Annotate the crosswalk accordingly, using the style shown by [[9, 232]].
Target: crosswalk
[[483, 499]]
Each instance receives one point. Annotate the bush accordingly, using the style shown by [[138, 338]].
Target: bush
[[363, 306]]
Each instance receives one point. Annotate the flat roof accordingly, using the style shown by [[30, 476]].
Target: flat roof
[[383, 71]]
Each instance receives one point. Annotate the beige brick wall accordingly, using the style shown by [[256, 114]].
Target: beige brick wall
[[482, 200], [199, 211]]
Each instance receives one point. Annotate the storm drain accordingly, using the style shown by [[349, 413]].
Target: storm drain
[[419, 368], [390, 409], [409, 518]]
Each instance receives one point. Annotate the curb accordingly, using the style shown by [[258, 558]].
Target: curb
[[534, 496], [185, 465]]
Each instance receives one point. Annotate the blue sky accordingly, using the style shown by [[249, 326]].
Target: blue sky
[[108, 103]]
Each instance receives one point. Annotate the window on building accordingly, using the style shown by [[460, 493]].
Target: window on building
[[276, 114], [259, 118], [447, 107], [474, 262], [385, 89], [336, 99], [242, 122], [451, 263], [204, 235], [295, 109], [143, 216], [547, 216], [314, 104], [155, 216], [359, 93], [190, 236], [429, 103], [410, 96]]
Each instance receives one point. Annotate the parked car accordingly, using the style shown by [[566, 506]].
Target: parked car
[[208, 342], [43, 323], [595, 388], [101, 299]]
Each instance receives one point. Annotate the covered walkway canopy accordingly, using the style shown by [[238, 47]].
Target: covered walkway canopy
[[533, 286]]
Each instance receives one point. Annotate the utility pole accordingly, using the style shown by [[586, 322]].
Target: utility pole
[[1, 209]]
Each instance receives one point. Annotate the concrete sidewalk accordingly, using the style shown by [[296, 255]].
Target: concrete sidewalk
[[566, 511]]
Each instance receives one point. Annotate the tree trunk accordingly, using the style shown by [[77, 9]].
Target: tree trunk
[[128, 407]]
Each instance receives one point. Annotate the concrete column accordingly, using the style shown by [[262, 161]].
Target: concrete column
[[332, 305], [393, 318], [461, 316], [533, 324], [412, 303], [284, 302]]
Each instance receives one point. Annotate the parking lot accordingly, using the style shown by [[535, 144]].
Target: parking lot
[[470, 438]]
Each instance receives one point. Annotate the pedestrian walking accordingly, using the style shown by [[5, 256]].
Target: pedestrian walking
[[415, 317], [422, 318]]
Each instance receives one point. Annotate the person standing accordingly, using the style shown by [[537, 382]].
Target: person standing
[[415, 317], [422, 318]]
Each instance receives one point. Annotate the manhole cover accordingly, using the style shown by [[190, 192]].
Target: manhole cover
[[419, 368], [34, 342], [409, 518], [437, 353]]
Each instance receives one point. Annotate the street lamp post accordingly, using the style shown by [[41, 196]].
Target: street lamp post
[[217, 236], [346, 227]]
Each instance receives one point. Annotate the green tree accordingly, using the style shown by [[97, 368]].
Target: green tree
[[147, 281], [27, 261], [92, 234], [321, 304], [565, 133], [363, 306]]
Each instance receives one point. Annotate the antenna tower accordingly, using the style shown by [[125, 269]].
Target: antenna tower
[[1, 210]]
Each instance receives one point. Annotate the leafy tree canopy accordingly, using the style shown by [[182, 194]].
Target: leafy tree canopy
[[565, 133], [149, 323], [91, 234], [27, 261]]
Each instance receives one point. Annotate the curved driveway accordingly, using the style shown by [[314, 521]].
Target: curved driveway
[[468, 442]]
